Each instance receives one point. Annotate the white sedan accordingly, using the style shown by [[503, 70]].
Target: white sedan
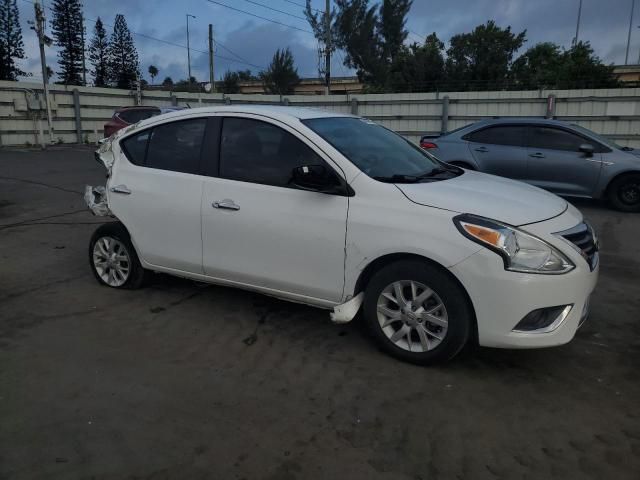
[[340, 213]]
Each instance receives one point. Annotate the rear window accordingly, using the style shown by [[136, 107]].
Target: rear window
[[138, 114]]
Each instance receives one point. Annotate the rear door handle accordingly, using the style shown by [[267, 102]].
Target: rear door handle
[[121, 189], [226, 204], [482, 149], [537, 155]]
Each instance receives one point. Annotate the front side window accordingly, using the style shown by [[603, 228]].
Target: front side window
[[555, 139], [259, 152], [377, 151], [510, 135], [171, 146]]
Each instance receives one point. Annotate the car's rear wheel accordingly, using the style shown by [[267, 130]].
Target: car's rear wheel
[[417, 312], [113, 259], [624, 193]]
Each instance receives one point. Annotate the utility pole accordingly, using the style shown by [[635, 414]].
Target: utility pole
[[42, 39], [84, 64], [188, 49], [211, 70], [327, 46], [575, 39], [626, 56]]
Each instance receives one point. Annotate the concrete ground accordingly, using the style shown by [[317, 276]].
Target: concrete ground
[[183, 380]]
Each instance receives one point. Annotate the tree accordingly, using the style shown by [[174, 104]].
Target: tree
[[418, 68], [372, 37], [483, 57], [581, 68], [123, 57], [153, 72], [99, 55], [538, 67], [546, 65], [11, 46], [281, 76], [318, 22], [231, 80], [50, 73], [167, 82], [67, 31]]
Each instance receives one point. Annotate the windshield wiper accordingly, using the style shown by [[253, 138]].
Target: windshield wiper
[[435, 172], [399, 178]]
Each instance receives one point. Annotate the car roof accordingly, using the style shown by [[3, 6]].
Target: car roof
[[275, 111], [137, 107], [518, 120]]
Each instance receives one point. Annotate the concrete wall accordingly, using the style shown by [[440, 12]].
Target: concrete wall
[[612, 112]]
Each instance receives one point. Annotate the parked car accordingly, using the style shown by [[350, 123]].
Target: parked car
[[340, 213], [125, 116], [560, 157]]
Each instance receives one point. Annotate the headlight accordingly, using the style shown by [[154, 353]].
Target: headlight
[[520, 251]]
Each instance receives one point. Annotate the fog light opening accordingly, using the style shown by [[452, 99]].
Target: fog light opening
[[543, 320]]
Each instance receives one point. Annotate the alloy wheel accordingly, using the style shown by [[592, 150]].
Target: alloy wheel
[[412, 316], [111, 261]]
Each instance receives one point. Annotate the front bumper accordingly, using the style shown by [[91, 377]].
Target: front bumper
[[502, 298]]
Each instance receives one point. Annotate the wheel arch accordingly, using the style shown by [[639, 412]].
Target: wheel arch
[[375, 265], [619, 175]]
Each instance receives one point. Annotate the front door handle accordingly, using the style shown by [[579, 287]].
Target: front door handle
[[537, 155], [482, 149], [121, 189], [226, 204]]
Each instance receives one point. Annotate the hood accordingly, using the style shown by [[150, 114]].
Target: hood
[[498, 198]]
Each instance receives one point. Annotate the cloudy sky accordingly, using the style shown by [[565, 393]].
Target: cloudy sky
[[248, 42]]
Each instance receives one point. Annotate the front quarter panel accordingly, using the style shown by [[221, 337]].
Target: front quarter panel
[[383, 221]]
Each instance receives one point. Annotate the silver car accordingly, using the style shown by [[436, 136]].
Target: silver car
[[564, 158]]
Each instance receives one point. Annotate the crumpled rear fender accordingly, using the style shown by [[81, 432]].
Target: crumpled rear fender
[[96, 199]]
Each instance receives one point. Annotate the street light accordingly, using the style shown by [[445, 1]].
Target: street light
[[188, 50], [626, 56]]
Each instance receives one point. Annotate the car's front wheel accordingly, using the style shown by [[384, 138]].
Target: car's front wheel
[[417, 312], [624, 193], [113, 259]]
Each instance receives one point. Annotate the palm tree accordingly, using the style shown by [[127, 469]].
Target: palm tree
[[153, 72]]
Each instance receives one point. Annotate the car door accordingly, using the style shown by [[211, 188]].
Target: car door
[[499, 150], [257, 228], [555, 162], [156, 191]]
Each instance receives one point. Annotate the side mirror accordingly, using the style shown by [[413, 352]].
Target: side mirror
[[587, 149], [316, 178]]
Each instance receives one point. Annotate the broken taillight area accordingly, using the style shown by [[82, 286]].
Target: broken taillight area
[[96, 198]]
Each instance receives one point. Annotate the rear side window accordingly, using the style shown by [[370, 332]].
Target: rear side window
[[135, 147], [172, 146], [259, 152], [556, 139], [512, 135], [176, 146]]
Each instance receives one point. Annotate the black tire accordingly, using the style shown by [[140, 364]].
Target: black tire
[[136, 275], [624, 193], [453, 297]]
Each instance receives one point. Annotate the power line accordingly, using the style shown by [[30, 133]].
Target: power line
[[303, 6], [260, 17], [275, 9], [167, 42]]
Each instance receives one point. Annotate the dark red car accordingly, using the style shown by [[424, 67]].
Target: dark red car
[[126, 116]]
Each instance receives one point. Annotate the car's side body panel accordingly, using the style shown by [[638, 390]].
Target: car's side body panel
[[162, 213]]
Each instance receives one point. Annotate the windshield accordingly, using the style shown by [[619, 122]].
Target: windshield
[[606, 141], [377, 151]]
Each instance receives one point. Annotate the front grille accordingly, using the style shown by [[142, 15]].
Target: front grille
[[583, 239]]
